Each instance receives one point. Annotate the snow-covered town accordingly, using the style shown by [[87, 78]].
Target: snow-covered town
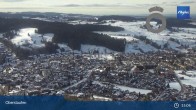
[[153, 67], [150, 76]]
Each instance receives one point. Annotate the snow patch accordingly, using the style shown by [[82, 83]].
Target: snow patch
[[130, 89], [189, 79], [28, 37], [91, 48]]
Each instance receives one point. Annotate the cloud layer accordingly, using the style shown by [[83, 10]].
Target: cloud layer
[[94, 6]]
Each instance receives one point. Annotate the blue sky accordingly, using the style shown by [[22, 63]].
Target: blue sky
[[95, 7]]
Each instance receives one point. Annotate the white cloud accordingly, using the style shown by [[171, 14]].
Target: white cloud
[[95, 6], [12, 0]]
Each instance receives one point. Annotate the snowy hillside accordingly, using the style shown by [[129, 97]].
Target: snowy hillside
[[180, 39], [189, 79], [28, 37], [185, 36], [91, 48]]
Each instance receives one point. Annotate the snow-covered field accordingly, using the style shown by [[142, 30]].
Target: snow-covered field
[[193, 23], [125, 88], [104, 53], [91, 48], [189, 79], [76, 22], [186, 36], [28, 37], [1, 36], [64, 46], [130, 89], [128, 38]]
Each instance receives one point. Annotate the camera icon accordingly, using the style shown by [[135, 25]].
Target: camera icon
[[156, 15]]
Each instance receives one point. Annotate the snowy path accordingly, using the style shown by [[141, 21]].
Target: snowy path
[[81, 81], [125, 88], [130, 89]]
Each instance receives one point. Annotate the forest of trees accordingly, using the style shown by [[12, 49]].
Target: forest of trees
[[172, 22], [23, 53], [73, 35], [121, 18], [148, 41]]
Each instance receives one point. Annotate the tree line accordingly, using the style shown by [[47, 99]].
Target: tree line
[[73, 35]]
